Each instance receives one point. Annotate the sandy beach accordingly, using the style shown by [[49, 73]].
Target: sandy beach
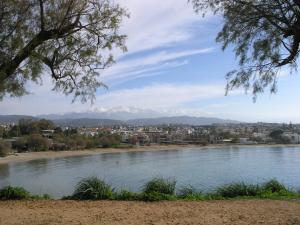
[[28, 156], [235, 212]]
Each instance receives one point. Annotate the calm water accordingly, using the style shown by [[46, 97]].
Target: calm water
[[203, 169]]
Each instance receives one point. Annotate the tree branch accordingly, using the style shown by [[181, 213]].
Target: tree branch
[[42, 15]]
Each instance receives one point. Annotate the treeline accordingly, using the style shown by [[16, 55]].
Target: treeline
[[43, 135]]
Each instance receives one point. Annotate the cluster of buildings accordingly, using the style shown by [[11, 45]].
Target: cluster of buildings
[[244, 133]]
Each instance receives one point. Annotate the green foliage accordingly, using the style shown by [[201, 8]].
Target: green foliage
[[270, 189], [160, 185], [276, 134], [127, 195], [21, 144], [70, 40], [273, 186], [19, 193], [4, 148], [238, 190], [36, 143], [28, 126], [13, 193], [92, 188], [156, 196], [14, 131], [190, 193], [264, 37], [108, 141]]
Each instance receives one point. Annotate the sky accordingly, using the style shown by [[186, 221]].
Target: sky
[[173, 65]]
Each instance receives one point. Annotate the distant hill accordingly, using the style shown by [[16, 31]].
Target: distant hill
[[111, 114], [14, 118], [96, 122], [85, 122], [187, 120]]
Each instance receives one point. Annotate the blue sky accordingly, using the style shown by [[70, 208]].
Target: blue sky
[[174, 66]]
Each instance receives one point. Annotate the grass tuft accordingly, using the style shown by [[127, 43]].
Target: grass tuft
[[238, 190], [126, 195], [14, 193], [160, 185], [273, 186], [92, 188], [190, 193], [156, 196]]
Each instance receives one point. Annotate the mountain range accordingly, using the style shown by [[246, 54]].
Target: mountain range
[[92, 120]]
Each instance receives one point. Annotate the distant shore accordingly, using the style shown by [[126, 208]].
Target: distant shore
[[29, 156]]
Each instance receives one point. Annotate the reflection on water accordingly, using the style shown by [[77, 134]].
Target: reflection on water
[[204, 169], [4, 171]]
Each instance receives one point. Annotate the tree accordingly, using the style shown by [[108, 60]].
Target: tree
[[276, 134], [69, 39], [35, 142], [21, 144], [14, 131], [265, 36], [44, 124], [4, 148]]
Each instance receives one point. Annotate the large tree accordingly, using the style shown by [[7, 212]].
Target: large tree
[[265, 36], [69, 40]]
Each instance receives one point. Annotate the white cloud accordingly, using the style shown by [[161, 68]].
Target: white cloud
[[159, 96], [157, 23], [163, 60], [154, 24]]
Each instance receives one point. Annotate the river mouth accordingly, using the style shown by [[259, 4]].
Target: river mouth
[[205, 170]]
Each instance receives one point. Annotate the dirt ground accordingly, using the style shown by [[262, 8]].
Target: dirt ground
[[237, 212]]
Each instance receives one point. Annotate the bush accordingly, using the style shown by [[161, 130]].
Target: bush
[[238, 190], [92, 188], [36, 142], [190, 193], [185, 191], [13, 193], [160, 185], [273, 186], [127, 195], [109, 141], [4, 148], [21, 144], [155, 196]]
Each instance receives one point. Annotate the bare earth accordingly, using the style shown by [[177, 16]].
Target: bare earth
[[238, 212], [22, 157]]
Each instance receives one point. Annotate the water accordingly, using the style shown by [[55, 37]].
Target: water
[[204, 169]]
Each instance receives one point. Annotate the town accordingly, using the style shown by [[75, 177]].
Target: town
[[43, 135]]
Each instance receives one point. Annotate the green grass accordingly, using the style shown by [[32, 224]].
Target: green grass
[[92, 188], [125, 195], [14, 193], [156, 196], [18, 193], [190, 193], [238, 190], [158, 189], [160, 185], [271, 189]]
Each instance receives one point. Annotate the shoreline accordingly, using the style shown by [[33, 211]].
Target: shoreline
[[29, 156]]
